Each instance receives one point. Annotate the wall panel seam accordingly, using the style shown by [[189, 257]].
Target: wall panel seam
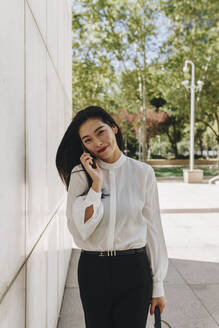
[[49, 55], [25, 166], [60, 205]]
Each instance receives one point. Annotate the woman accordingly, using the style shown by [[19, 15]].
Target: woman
[[114, 217]]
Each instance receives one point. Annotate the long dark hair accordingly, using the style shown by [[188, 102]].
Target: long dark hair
[[70, 149]]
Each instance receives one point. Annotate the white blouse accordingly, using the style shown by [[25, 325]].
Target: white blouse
[[128, 218]]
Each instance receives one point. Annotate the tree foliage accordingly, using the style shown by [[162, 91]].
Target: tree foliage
[[111, 43]]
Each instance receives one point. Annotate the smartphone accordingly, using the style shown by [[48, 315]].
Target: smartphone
[[93, 156]]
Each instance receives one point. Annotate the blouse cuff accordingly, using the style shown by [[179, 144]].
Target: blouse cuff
[[158, 289], [94, 196]]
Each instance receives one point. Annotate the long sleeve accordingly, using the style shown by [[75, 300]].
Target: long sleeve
[[155, 246], [76, 206]]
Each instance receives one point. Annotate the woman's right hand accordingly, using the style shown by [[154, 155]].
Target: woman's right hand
[[96, 174]]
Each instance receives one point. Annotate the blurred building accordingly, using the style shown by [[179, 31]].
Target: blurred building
[[35, 109]]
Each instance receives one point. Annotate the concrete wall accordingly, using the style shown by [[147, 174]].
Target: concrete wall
[[35, 109]]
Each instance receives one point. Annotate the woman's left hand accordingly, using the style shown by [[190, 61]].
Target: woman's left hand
[[160, 301]]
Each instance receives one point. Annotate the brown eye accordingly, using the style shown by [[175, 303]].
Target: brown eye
[[87, 140], [100, 132]]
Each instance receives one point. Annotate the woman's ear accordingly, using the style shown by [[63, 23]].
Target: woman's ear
[[115, 129]]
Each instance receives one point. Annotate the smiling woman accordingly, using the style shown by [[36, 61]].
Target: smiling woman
[[121, 233], [99, 138], [94, 128]]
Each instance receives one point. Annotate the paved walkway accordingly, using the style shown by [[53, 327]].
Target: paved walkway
[[190, 218]]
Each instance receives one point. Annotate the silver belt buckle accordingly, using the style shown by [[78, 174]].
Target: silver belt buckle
[[111, 253]]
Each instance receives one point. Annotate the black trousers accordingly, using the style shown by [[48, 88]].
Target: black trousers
[[115, 291]]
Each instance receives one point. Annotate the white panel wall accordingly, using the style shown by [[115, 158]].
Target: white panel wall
[[35, 131], [12, 161], [35, 109]]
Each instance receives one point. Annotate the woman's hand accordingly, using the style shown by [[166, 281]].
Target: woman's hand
[[160, 301], [96, 174]]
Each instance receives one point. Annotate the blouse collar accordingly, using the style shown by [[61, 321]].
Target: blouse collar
[[114, 165]]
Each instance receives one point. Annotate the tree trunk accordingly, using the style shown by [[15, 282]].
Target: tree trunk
[[207, 154], [175, 150], [217, 138]]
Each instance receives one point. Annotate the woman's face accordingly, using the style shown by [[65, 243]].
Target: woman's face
[[96, 135]]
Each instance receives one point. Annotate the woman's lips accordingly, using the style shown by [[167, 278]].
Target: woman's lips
[[102, 150]]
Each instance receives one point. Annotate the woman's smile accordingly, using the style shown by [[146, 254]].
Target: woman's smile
[[102, 150]]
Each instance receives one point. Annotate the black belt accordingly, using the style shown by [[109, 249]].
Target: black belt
[[115, 253]]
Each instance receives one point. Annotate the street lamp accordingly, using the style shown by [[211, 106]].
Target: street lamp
[[193, 88], [140, 127]]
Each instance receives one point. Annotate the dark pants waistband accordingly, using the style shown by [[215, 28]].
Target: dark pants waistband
[[115, 252]]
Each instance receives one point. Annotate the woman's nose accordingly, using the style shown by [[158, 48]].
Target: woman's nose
[[98, 143]]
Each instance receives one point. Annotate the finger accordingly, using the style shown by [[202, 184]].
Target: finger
[[152, 308], [89, 161], [161, 308], [86, 155], [86, 158]]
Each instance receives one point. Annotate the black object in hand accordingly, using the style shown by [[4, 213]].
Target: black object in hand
[[157, 323], [93, 165]]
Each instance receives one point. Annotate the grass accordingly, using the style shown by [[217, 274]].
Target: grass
[[177, 171]]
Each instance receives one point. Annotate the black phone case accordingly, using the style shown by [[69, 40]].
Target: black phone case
[[94, 157]]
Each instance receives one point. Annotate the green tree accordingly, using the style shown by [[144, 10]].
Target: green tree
[[195, 36], [118, 32]]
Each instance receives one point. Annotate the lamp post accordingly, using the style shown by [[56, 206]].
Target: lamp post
[[140, 127], [143, 153], [192, 175]]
